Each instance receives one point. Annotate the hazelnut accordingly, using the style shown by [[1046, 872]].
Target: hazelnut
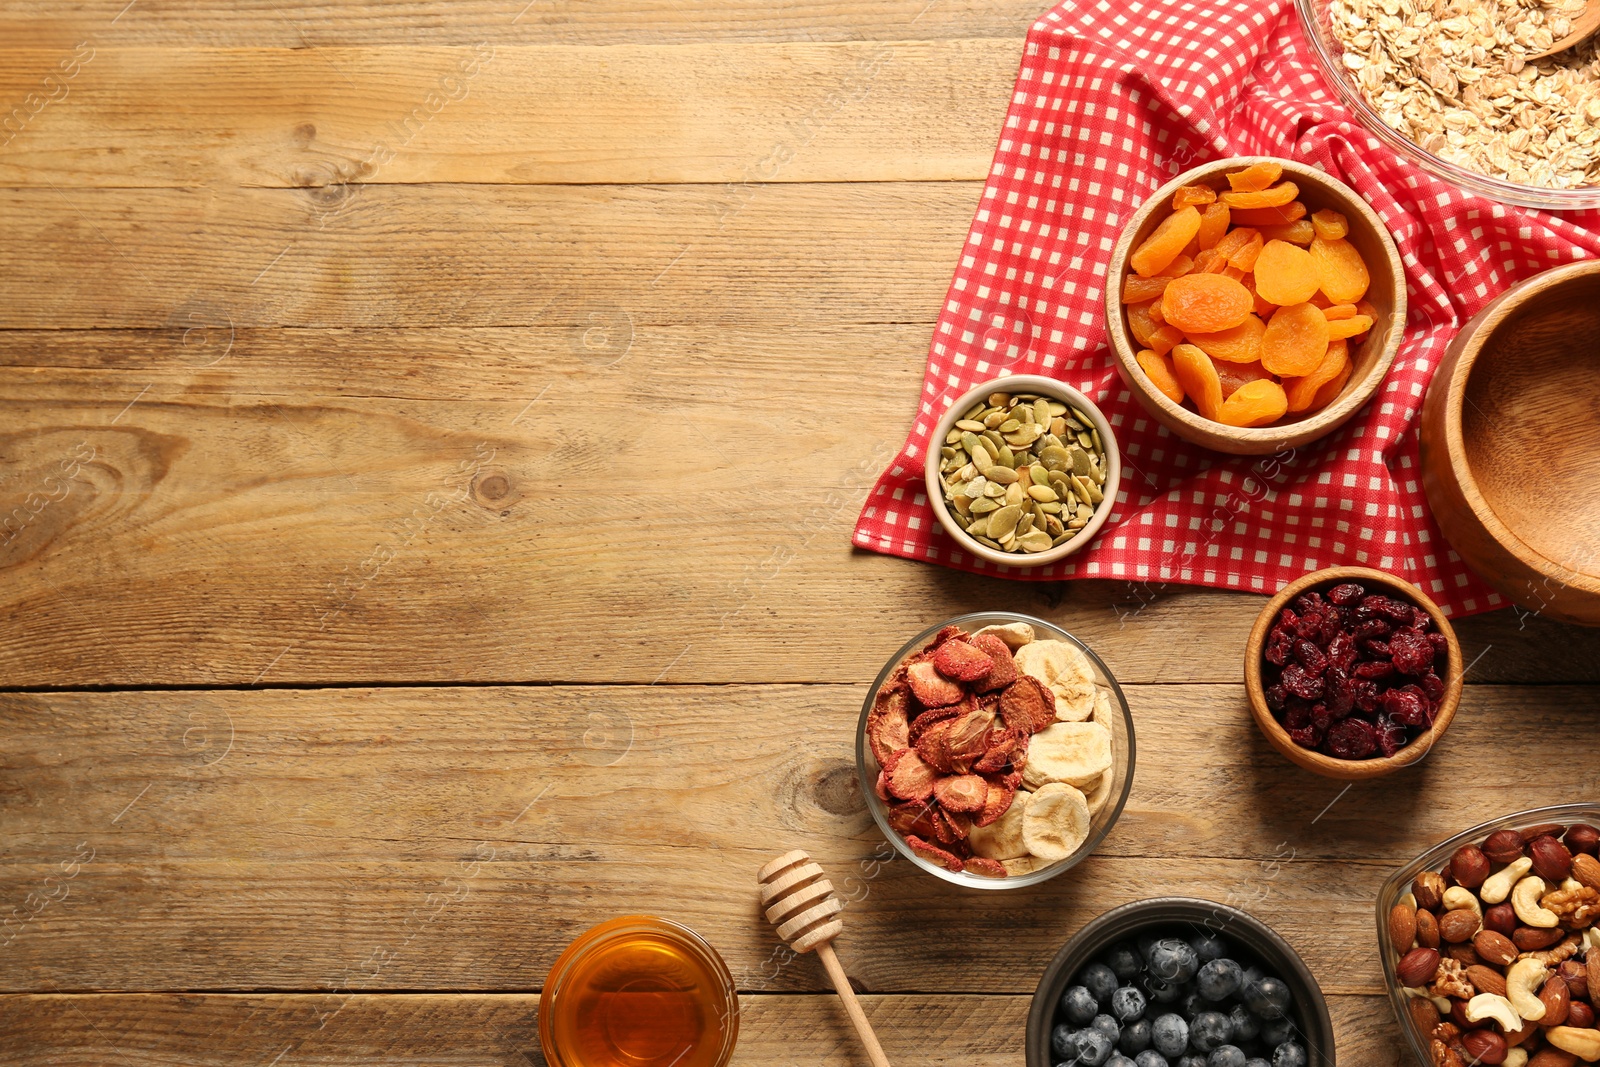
[[1551, 859], [1458, 1015], [1417, 967], [1576, 975], [1424, 1013], [1503, 846], [1484, 1046], [1583, 838], [1427, 929], [1502, 919], [1552, 1057], [1580, 1015], [1428, 888], [1470, 866]]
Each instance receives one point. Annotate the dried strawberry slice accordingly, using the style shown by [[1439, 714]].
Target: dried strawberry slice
[[961, 792], [933, 853], [881, 787], [931, 688], [962, 661], [1003, 668], [951, 827], [1027, 702], [911, 778], [932, 748], [998, 796], [980, 865], [1003, 741], [912, 818], [888, 728], [968, 737], [920, 724]]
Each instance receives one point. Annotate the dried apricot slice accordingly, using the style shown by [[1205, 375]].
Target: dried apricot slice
[[1330, 392], [1205, 303], [1339, 311], [1353, 326], [1213, 224], [1210, 261], [1157, 315], [1269, 216], [1193, 196], [1275, 196], [1136, 290], [1178, 267], [1234, 272], [1255, 176], [1256, 403], [1198, 376], [1299, 232], [1286, 274], [1245, 257], [1235, 241], [1233, 375], [1329, 224], [1263, 307], [1150, 333], [1165, 243], [1342, 270], [1295, 341], [1240, 344], [1159, 370], [1302, 391]]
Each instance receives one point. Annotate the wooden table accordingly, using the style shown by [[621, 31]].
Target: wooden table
[[431, 434]]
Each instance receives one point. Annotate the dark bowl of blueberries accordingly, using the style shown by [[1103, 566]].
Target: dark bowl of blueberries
[[1178, 982]]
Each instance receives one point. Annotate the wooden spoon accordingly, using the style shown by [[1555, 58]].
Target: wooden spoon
[[800, 903], [1583, 28]]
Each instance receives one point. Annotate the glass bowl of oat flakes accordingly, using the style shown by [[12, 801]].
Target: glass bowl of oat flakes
[[1451, 86]]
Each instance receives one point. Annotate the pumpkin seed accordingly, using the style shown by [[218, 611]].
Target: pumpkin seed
[[994, 489], [1006, 456], [1055, 458], [1041, 411], [1004, 521], [983, 505], [1056, 408], [999, 400], [1025, 523], [1010, 426], [1034, 541], [981, 461], [975, 411], [1043, 493], [1080, 462], [991, 544], [993, 419], [969, 425], [952, 437], [1014, 494], [998, 473]]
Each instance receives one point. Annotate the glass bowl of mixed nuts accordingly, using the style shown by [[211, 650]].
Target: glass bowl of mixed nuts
[[1455, 87], [1489, 944], [995, 750], [1023, 471]]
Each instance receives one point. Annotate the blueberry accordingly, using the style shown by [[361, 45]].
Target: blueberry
[[1123, 959], [1268, 998], [1169, 1034], [1099, 980], [1063, 1042], [1256, 1061], [1107, 1025], [1289, 1054], [1209, 1030], [1094, 1048], [1079, 1005], [1127, 1003], [1225, 1056], [1135, 1037], [1193, 1004], [1276, 1031], [1164, 992], [1246, 1027], [1172, 960], [1192, 1061], [1219, 979], [1150, 1058], [1208, 947], [1119, 1060]]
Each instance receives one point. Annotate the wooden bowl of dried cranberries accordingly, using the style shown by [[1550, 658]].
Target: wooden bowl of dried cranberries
[[1353, 673]]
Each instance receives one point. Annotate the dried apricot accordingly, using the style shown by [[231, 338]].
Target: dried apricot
[[1275, 196], [1255, 176], [1150, 333], [1241, 344], [1299, 232], [1159, 370], [1330, 392], [1178, 267], [1205, 303], [1157, 315], [1364, 308], [1235, 241], [1339, 311], [1233, 375], [1295, 341], [1353, 326], [1235, 273], [1263, 307], [1269, 216], [1329, 224], [1303, 391], [1245, 257], [1136, 290], [1286, 274], [1198, 376], [1342, 270], [1166, 243], [1210, 261], [1193, 196], [1213, 224], [1254, 403]]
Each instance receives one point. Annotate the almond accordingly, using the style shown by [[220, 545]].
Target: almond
[[1402, 927], [1552, 1057], [1417, 967], [1487, 980], [1532, 939], [1495, 948], [1557, 1001], [1427, 930], [1586, 869], [1459, 925], [1424, 1013]]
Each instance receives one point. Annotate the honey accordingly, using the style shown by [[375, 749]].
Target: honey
[[638, 992]]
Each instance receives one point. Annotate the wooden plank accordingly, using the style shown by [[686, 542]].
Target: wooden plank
[[502, 1030], [286, 840], [319, 505], [732, 112], [265, 24]]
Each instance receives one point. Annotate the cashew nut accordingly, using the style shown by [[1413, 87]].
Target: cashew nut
[[1498, 886], [1493, 1006], [1591, 938], [1409, 900], [1517, 1057], [1582, 1043], [1416, 993], [1571, 884], [1457, 898], [1522, 988], [1525, 902]]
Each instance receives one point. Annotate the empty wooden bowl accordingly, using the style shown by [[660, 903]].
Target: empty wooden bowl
[[1317, 762], [1371, 358], [1511, 444]]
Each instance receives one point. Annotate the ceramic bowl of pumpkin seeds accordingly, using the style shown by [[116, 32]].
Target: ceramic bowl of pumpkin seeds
[[1024, 471]]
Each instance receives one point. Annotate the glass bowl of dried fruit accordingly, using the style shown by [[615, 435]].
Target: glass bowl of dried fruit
[[995, 750], [1353, 673], [1488, 117], [1489, 945], [1254, 304]]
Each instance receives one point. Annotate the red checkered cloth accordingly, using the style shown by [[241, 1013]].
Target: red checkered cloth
[[1114, 99]]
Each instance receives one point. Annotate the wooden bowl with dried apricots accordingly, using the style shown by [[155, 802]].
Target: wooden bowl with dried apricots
[[1254, 304]]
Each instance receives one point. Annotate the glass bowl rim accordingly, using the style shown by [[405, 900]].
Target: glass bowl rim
[[876, 806]]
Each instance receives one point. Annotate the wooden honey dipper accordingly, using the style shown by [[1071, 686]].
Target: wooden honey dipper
[[800, 903]]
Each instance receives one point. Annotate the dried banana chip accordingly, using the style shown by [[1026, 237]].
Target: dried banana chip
[[1099, 793], [1023, 865], [1014, 634], [1103, 713], [1001, 839], [1056, 822], [1066, 670], [1076, 753]]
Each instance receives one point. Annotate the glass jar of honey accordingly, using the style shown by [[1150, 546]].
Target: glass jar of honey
[[638, 992]]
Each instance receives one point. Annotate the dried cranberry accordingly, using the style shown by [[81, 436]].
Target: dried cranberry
[[1310, 626], [1275, 695], [1407, 706], [1374, 669], [1373, 628], [1307, 603], [1412, 653], [1304, 737], [1351, 739], [1301, 684], [1298, 717], [1341, 652], [1347, 594], [1278, 646], [1376, 648], [1311, 658], [1391, 737], [1341, 699], [1288, 618], [1433, 685], [1365, 694], [1441, 643], [1320, 717]]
